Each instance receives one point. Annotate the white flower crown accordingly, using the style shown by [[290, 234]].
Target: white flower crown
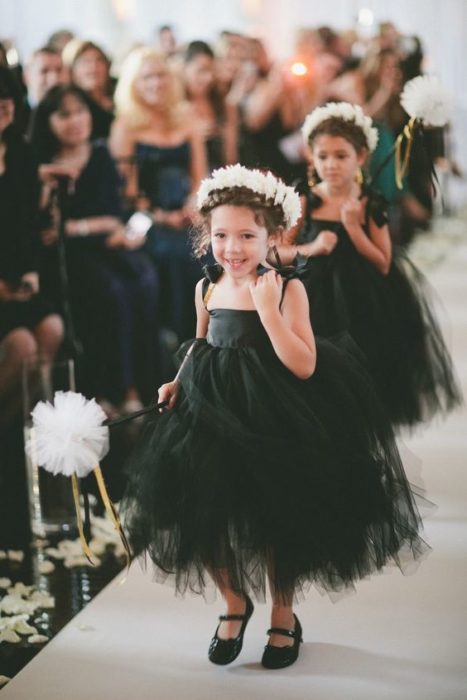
[[266, 184], [426, 99], [347, 112]]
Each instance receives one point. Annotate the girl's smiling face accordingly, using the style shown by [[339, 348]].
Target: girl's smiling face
[[239, 243], [336, 160]]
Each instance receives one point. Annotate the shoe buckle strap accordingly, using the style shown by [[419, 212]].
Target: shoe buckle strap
[[282, 631], [224, 618]]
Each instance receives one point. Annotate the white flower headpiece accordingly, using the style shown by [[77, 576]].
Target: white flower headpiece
[[347, 112], [266, 184], [425, 98]]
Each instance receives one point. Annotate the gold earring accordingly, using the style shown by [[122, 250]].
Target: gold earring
[[312, 177], [359, 177]]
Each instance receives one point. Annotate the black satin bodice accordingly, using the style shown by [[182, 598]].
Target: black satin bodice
[[236, 328]]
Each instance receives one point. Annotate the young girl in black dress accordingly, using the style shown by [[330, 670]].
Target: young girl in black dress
[[273, 460], [358, 283]]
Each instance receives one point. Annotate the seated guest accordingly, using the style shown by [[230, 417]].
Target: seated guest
[[114, 289], [28, 327]]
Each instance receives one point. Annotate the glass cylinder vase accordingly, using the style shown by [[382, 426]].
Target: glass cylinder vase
[[50, 496]]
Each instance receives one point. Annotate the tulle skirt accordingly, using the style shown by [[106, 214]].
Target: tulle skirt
[[391, 319], [256, 473]]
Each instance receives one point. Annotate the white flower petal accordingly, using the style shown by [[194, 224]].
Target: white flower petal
[[15, 555], [86, 628], [22, 627], [20, 589], [46, 567], [9, 636], [38, 639], [5, 583], [43, 600]]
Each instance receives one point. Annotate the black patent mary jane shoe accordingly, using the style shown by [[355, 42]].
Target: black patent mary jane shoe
[[224, 651], [281, 657]]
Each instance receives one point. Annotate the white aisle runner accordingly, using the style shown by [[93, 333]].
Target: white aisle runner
[[398, 638]]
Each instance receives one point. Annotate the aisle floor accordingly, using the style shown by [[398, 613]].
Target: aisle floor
[[398, 637]]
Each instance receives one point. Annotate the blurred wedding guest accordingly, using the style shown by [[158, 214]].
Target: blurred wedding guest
[[166, 39], [212, 115], [271, 114], [232, 51], [89, 68], [163, 160], [3, 56], [28, 327], [113, 287], [59, 39], [43, 70]]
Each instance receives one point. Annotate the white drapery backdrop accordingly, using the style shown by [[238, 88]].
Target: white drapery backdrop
[[117, 24]]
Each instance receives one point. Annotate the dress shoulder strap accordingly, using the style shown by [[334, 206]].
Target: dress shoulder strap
[[284, 287], [207, 289]]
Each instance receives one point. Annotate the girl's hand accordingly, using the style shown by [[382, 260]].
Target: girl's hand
[[6, 293], [266, 292], [326, 241], [168, 392], [49, 235], [29, 284], [351, 213]]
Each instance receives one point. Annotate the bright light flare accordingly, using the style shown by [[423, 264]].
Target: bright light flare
[[298, 68], [366, 17]]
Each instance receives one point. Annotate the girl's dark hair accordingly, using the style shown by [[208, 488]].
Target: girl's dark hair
[[43, 140], [266, 214], [11, 90], [334, 126], [195, 49]]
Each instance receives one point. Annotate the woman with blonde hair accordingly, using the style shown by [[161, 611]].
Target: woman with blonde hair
[[163, 160]]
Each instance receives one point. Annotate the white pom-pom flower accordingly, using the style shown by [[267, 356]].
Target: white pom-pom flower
[[426, 99], [271, 188], [68, 436], [347, 112]]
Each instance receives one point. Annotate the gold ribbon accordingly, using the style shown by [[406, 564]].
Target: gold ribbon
[[402, 163], [76, 498], [112, 513], [110, 510]]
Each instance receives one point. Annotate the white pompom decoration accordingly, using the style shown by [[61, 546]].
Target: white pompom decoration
[[426, 99], [68, 436]]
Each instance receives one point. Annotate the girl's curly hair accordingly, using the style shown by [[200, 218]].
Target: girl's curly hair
[[265, 212], [334, 126]]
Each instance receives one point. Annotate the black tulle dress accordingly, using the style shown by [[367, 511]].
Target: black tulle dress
[[389, 316], [255, 467]]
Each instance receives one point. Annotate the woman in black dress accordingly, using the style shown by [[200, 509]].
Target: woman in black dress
[[114, 289], [28, 327]]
